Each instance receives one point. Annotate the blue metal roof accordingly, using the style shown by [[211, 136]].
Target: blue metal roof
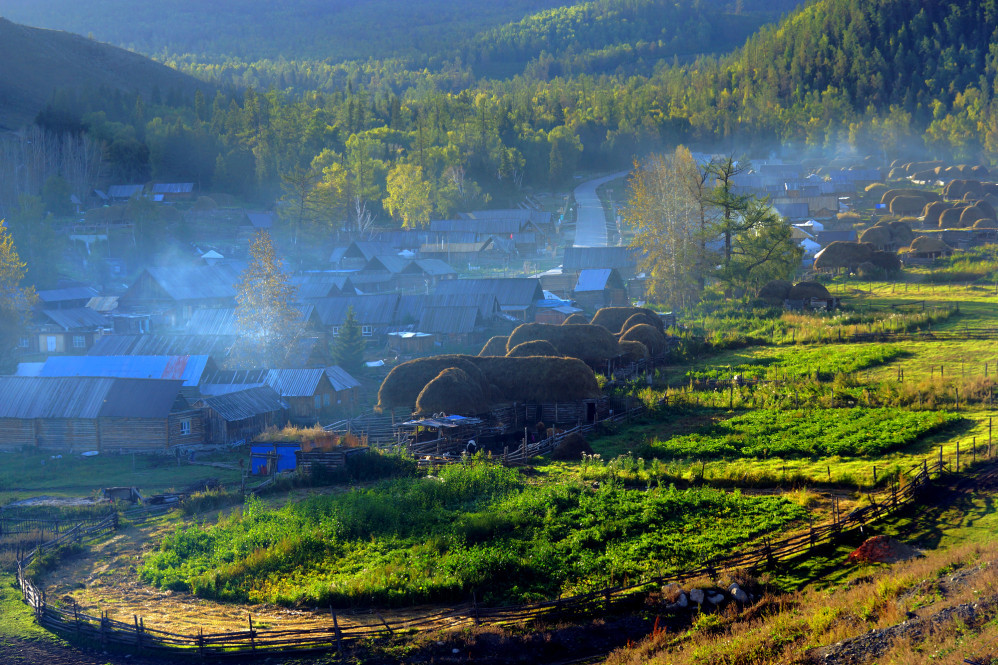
[[593, 279], [187, 368]]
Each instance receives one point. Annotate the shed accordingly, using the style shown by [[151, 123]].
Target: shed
[[237, 417], [600, 287], [344, 385], [308, 392]]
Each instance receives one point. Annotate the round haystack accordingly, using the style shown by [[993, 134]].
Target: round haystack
[[897, 173], [990, 188], [452, 392], [614, 318], [972, 214], [633, 351], [496, 346], [775, 291], [901, 233], [866, 270], [169, 215], [404, 383], [987, 206], [650, 336], [907, 205], [575, 319], [890, 194], [841, 254], [876, 189], [932, 211], [887, 262], [572, 447], [930, 245], [807, 290], [640, 317], [537, 347], [985, 224], [587, 342], [878, 236], [539, 378], [950, 219], [955, 190]]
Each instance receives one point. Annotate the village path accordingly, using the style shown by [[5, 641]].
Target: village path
[[590, 225]]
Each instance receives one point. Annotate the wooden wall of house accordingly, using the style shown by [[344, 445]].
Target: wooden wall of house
[[197, 430], [218, 430], [16, 433], [133, 434], [76, 434]]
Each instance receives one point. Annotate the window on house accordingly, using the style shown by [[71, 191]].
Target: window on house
[[367, 331], [79, 342], [335, 330], [185, 426], [318, 401], [325, 399], [24, 342]]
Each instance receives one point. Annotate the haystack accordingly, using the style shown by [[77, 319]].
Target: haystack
[[587, 342], [808, 290], [496, 346], [890, 194], [901, 233], [841, 254], [985, 224], [878, 236], [571, 447], [886, 262], [972, 214], [633, 351], [614, 318], [932, 212], [955, 190], [907, 205], [540, 379], [641, 317], [403, 384], [929, 247], [950, 219], [575, 319], [537, 347], [775, 291], [452, 392], [650, 336], [867, 270]]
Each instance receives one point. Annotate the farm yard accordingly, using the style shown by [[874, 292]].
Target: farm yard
[[743, 440]]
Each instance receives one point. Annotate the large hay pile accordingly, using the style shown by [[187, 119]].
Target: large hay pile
[[929, 246], [496, 346], [956, 190], [588, 342], [537, 347], [933, 211], [775, 291], [972, 214], [808, 290], [878, 236], [404, 383], [575, 319], [614, 318], [841, 254], [887, 263], [633, 351], [572, 447], [950, 219], [641, 317], [452, 391], [985, 224], [650, 336], [907, 205], [540, 379]]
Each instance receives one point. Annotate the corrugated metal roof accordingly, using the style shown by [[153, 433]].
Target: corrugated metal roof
[[123, 191], [295, 382], [218, 321], [509, 291], [243, 404], [487, 303], [142, 398], [435, 267], [87, 397], [340, 378], [392, 263], [173, 188], [448, 320], [76, 317], [261, 220], [103, 303], [69, 293], [593, 280], [367, 249], [161, 345], [189, 369], [488, 226], [375, 310], [196, 282]]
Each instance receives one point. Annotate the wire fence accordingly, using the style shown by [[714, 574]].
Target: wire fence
[[69, 620]]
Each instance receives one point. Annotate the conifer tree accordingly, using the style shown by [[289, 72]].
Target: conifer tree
[[348, 347], [270, 323]]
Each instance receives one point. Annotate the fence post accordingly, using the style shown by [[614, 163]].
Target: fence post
[[957, 457], [336, 632], [390, 631], [252, 633], [474, 606]]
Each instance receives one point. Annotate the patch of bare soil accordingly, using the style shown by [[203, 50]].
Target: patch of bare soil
[[14, 651]]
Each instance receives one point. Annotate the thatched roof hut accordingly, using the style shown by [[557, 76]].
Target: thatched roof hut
[[452, 392], [614, 318], [575, 319], [775, 291], [840, 254], [929, 247], [633, 350], [496, 346], [808, 290], [540, 379], [641, 317], [537, 347], [651, 337], [404, 383], [589, 342]]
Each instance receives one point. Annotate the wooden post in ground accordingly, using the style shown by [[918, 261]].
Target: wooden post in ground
[[957, 457], [336, 632], [252, 633]]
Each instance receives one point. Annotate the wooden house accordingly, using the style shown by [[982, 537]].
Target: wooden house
[[171, 192], [601, 287], [67, 330], [623, 259], [308, 393], [471, 253], [79, 414], [517, 296], [376, 314], [171, 295], [346, 389], [73, 296], [555, 315], [238, 416]]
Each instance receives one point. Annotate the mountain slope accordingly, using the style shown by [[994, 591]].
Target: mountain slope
[[37, 62]]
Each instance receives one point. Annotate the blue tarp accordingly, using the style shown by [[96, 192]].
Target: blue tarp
[[286, 459]]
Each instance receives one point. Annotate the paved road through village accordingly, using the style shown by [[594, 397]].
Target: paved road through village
[[590, 227]]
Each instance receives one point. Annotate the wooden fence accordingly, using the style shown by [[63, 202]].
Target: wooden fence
[[106, 630]]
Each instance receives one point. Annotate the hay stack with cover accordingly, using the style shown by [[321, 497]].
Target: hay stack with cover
[[774, 292], [841, 254], [571, 447], [641, 317], [808, 290], [496, 346], [403, 384], [575, 319], [588, 342], [633, 351], [614, 318], [452, 392], [540, 379], [650, 336], [537, 347]]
